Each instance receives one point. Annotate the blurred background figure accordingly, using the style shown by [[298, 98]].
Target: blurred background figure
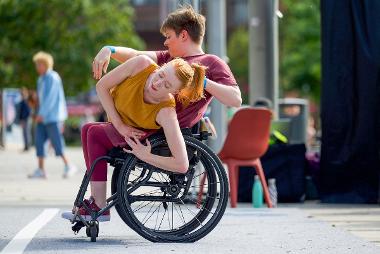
[[51, 114], [33, 104], [263, 103], [88, 117], [24, 118]]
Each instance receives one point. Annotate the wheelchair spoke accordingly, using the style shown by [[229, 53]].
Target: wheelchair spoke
[[172, 216], [198, 185], [148, 212], [198, 175], [163, 176], [157, 215], [155, 179], [200, 223], [149, 192], [162, 219], [142, 206], [169, 220], [137, 176], [151, 214], [180, 214], [196, 202]]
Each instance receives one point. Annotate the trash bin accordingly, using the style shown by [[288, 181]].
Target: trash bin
[[297, 111]]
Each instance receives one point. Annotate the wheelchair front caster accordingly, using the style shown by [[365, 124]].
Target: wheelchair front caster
[[93, 230]]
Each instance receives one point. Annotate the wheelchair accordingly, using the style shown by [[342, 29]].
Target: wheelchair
[[159, 205]]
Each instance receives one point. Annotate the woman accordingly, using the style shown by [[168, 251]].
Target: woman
[[139, 94]]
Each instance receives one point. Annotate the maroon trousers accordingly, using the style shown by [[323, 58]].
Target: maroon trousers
[[96, 143]]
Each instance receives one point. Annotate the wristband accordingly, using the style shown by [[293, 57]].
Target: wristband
[[204, 83], [112, 48]]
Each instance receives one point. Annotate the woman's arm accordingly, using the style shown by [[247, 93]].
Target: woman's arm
[[122, 54], [112, 79], [178, 162]]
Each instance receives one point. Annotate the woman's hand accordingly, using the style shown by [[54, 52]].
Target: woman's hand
[[129, 132], [139, 150], [101, 62]]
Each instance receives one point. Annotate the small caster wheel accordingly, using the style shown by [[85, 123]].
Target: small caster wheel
[[93, 231]]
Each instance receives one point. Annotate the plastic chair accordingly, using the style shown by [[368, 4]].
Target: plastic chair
[[246, 141]]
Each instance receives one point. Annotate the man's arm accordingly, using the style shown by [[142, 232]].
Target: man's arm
[[228, 95], [122, 54]]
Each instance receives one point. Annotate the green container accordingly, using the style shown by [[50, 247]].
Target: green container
[[257, 193]]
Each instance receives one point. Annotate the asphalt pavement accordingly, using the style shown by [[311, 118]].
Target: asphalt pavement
[[31, 223]]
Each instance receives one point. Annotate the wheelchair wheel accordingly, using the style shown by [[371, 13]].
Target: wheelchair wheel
[[162, 206]]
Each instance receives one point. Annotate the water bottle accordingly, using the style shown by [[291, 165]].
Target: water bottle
[[257, 193], [272, 191]]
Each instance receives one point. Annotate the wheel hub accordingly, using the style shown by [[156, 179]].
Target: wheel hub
[[173, 190]]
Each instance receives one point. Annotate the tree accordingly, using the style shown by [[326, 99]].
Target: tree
[[71, 30], [237, 51], [300, 50], [300, 47]]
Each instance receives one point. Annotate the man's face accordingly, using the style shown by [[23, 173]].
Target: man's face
[[174, 43], [41, 67]]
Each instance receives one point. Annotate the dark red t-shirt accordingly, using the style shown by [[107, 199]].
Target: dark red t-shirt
[[217, 70]]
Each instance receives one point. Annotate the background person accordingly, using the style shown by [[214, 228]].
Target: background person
[[25, 119], [51, 114]]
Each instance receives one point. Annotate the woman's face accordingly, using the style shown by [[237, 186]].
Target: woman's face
[[164, 82]]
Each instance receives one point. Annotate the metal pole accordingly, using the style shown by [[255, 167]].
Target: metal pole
[[196, 5], [216, 41], [263, 51]]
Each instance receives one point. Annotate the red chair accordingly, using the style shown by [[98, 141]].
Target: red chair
[[246, 141]]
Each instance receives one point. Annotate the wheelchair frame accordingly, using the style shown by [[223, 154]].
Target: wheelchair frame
[[121, 196]]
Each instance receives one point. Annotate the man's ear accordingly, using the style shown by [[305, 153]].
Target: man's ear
[[184, 35]]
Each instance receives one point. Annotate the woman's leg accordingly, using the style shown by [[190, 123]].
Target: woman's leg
[[84, 132], [98, 144]]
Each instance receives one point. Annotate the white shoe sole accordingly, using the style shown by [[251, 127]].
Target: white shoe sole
[[70, 216]]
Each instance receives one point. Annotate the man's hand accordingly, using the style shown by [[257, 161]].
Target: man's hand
[[129, 132], [101, 62], [139, 150]]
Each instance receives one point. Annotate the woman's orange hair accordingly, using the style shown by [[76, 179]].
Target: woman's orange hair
[[192, 77]]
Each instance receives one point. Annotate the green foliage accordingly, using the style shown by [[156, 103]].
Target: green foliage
[[299, 52], [237, 51], [300, 47], [73, 31]]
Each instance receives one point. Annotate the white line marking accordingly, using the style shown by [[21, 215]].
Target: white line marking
[[18, 244]]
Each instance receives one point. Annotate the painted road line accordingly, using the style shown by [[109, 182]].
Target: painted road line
[[18, 244]]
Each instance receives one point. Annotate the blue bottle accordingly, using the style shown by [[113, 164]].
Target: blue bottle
[[257, 193]]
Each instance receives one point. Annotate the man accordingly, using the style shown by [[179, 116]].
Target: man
[[184, 30], [51, 114]]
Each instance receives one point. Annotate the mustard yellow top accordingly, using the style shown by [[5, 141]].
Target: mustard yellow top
[[128, 97]]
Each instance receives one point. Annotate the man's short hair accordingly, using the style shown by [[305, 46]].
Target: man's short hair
[[45, 58], [185, 18]]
